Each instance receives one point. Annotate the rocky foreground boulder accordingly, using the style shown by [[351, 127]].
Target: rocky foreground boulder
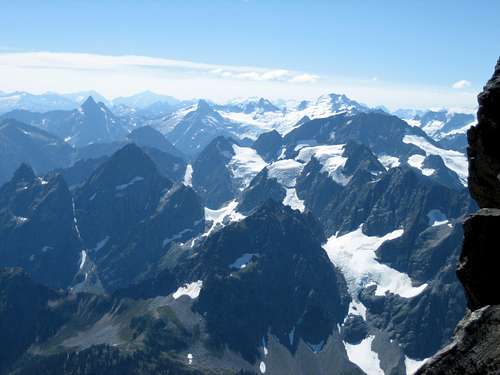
[[475, 348]]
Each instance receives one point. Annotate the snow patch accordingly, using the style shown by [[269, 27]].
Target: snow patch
[[363, 356], [412, 365], [454, 160], [389, 161], [21, 219], [262, 368], [291, 199], [188, 176], [222, 216], [242, 261], [285, 171], [436, 217], [417, 161], [192, 290], [131, 182], [355, 255], [83, 259], [356, 308]]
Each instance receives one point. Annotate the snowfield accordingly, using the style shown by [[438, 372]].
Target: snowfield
[[245, 164], [354, 254]]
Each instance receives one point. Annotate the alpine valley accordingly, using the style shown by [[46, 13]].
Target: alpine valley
[[147, 234]]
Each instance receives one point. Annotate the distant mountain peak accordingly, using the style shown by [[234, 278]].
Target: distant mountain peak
[[203, 106], [89, 104]]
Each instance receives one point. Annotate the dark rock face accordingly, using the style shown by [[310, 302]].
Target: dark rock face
[[354, 329], [268, 145], [21, 143], [483, 151], [80, 171], [23, 305], [475, 348], [480, 258], [403, 192], [422, 324], [261, 189], [170, 166], [287, 283], [211, 177], [128, 214], [148, 136], [28, 207]]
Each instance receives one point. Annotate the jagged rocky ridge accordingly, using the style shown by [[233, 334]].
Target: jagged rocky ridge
[[316, 169], [475, 348]]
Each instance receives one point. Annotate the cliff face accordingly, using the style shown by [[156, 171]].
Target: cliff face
[[475, 348]]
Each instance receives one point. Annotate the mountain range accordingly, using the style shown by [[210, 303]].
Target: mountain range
[[239, 238]]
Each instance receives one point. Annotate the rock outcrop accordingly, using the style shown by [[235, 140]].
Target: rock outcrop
[[475, 348]]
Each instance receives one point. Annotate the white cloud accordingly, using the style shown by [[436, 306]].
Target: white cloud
[[83, 61], [113, 76], [305, 78], [462, 84]]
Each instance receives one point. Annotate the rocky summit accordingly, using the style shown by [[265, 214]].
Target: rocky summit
[[475, 349]]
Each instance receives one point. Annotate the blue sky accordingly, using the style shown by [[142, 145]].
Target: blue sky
[[389, 52]]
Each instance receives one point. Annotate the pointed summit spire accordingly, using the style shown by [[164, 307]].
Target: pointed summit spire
[[89, 104], [203, 106]]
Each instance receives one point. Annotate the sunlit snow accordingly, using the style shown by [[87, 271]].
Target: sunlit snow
[[286, 172], [291, 199], [262, 368], [245, 164], [83, 258], [363, 356], [389, 161], [222, 216], [417, 161], [412, 365], [192, 290], [330, 157], [354, 254]]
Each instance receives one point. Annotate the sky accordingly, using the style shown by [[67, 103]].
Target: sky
[[418, 54]]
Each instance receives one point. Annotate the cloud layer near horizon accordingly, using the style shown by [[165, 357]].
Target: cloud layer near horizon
[[128, 74]]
